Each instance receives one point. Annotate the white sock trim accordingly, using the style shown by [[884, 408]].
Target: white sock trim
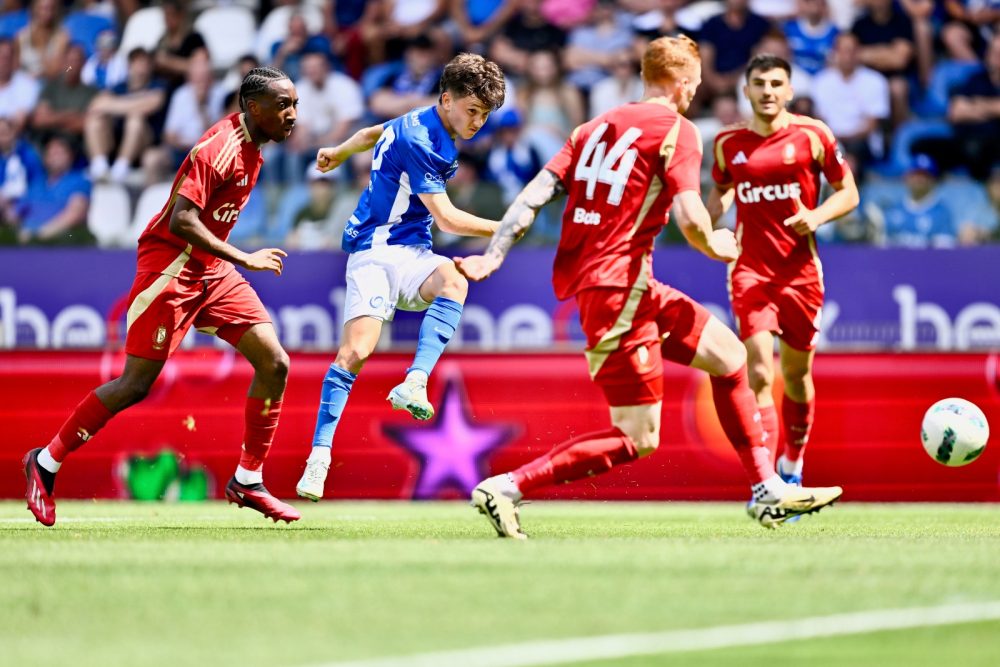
[[46, 461], [790, 468], [770, 490], [244, 476]]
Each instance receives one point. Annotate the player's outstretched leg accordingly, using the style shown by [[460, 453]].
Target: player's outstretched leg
[[333, 399], [592, 454], [438, 326]]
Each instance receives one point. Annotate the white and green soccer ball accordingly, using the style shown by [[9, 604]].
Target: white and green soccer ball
[[954, 432]]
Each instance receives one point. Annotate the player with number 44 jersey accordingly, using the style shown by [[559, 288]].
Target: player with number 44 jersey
[[771, 166], [623, 172]]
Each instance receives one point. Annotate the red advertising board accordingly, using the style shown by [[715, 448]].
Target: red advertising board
[[495, 411]]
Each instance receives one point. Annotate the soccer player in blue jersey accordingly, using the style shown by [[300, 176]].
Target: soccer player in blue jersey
[[391, 264]]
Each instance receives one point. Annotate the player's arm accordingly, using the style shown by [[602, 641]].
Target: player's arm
[[362, 140], [453, 220], [519, 217], [185, 223], [720, 198], [844, 199], [696, 225]]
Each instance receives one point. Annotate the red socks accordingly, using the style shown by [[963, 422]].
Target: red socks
[[83, 424], [584, 456], [260, 423], [769, 423], [798, 418], [736, 406]]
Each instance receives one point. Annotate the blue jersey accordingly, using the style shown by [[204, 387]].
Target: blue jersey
[[810, 45], [415, 155]]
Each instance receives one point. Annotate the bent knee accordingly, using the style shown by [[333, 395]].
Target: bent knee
[[352, 357], [455, 287]]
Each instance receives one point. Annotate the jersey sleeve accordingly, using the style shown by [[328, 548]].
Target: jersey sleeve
[[834, 166], [720, 171], [682, 158], [200, 179], [560, 163], [425, 168]]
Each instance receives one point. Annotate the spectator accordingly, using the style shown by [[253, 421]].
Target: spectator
[[287, 54], [853, 100], [313, 227], [42, 43], [971, 25], [512, 161], [395, 23], [811, 35], [725, 112], [193, 108], [18, 90], [54, 212], [552, 106], [523, 35], [921, 219], [660, 21], [726, 42], [13, 17], [179, 44], [63, 102], [593, 47], [974, 111], [132, 113], [19, 166], [106, 68], [885, 36], [926, 15], [231, 83], [415, 86], [567, 14], [621, 87], [343, 20], [330, 103], [477, 21]]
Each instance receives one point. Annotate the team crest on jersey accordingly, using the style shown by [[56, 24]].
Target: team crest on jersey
[[159, 337], [788, 155]]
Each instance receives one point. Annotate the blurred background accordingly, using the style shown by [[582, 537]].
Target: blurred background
[[100, 101]]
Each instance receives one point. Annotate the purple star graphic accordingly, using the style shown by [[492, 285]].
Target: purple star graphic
[[453, 449]]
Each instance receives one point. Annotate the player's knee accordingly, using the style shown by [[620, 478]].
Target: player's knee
[[132, 390], [795, 374], [644, 434], [352, 357], [455, 287], [761, 377], [278, 367]]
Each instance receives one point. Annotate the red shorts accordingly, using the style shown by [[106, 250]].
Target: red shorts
[[790, 311], [629, 333], [162, 309]]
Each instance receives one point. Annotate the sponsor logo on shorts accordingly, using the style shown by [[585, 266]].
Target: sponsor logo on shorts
[[376, 302], [751, 194], [159, 337]]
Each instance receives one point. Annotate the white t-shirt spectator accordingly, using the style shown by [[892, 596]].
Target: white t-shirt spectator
[[609, 93], [186, 119], [320, 110], [846, 104], [19, 95]]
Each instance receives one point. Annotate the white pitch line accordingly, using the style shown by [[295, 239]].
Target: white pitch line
[[607, 647]]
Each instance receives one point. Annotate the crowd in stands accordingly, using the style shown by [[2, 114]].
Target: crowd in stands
[[101, 100]]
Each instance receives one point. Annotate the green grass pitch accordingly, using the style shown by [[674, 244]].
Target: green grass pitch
[[207, 584]]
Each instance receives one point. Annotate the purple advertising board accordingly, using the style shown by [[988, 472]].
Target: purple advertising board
[[877, 299]]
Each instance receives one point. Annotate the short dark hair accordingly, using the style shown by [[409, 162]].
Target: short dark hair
[[768, 61], [469, 74], [257, 81]]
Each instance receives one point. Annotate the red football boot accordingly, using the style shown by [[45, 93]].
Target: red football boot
[[256, 497], [39, 491]]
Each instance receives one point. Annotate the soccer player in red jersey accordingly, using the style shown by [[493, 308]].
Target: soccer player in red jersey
[[773, 164], [185, 277], [622, 172]]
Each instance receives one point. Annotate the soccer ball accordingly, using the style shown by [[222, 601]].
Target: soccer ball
[[954, 432]]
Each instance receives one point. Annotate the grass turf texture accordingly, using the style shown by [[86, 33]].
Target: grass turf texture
[[207, 584]]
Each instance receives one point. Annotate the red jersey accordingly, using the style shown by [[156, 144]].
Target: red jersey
[[217, 176], [769, 173], [621, 171]]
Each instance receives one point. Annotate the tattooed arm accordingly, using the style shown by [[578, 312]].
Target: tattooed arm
[[542, 189]]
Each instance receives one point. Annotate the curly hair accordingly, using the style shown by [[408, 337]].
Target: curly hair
[[256, 83], [668, 58], [470, 74]]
